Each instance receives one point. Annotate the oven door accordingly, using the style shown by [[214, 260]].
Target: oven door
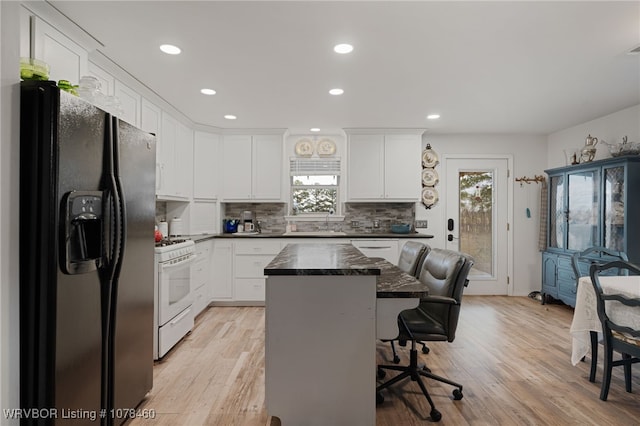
[[174, 287]]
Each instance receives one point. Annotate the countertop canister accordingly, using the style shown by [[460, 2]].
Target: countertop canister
[[175, 227], [163, 227]]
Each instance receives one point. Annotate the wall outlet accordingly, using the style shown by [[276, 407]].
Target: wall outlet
[[421, 224], [355, 224]]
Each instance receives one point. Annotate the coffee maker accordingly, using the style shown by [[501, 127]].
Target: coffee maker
[[247, 221]]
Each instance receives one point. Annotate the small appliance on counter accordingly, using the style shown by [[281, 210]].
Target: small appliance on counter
[[247, 221], [230, 226]]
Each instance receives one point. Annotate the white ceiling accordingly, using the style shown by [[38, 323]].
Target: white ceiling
[[486, 67]]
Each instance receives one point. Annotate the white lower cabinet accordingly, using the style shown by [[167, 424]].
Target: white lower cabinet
[[238, 263], [222, 285], [250, 259], [386, 249], [202, 276]]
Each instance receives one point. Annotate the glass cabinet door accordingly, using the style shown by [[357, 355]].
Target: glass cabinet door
[[557, 215], [614, 187], [582, 216]]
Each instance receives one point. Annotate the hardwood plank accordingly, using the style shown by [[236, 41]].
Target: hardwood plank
[[511, 354]]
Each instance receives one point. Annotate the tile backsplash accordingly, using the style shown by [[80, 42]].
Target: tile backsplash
[[366, 214], [272, 216]]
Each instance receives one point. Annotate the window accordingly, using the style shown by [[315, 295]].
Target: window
[[314, 185]]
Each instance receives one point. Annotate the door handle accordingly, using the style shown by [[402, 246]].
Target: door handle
[[450, 225]]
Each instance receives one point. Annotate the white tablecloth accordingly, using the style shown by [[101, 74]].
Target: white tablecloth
[[585, 316]]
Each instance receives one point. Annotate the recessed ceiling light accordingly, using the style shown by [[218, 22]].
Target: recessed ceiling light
[[336, 92], [433, 116], [208, 91], [314, 129], [170, 49], [230, 117], [343, 48]]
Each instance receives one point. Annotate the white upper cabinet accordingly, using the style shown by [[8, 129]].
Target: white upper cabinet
[[267, 167], [175, 160], [130, 102], [25, 33], [150, 122], [165, 156], [206, 152], [107, 81], [150, 117], [365, 167], [384, 167], [236, 168], [252, 167], [183, 172], [67, 59], [402, 167]]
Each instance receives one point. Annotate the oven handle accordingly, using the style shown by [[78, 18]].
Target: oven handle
[[179, 318], [167, 266]]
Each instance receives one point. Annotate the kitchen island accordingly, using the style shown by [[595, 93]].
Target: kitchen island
[[326, 304]]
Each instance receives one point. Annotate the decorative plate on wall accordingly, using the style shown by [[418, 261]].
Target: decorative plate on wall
[[429, 177], [429, 196], [326, 148], [429, 157], [304, 148]]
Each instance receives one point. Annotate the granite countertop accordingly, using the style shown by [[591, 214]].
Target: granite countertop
[[323, 235], [393, 282], [321, 259], [344, 259]]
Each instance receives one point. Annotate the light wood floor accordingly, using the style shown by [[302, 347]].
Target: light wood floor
[[511, 354]]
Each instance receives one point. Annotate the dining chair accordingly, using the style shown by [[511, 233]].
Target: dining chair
[[435, 319], [580, 261], [618, 337]]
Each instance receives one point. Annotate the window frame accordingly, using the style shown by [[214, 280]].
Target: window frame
[[295, 170]]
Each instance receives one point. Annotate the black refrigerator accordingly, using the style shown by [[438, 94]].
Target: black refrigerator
[[87, 213]]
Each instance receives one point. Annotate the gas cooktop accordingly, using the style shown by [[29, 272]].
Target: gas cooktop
[[169, 242], [174, 245]]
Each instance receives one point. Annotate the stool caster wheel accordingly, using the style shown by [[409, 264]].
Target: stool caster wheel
[[457, 394], [379, 398], [381, 373], [396, 359], [435, 415], [425, 350]]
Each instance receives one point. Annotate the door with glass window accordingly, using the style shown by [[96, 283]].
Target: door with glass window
[[477, 219]]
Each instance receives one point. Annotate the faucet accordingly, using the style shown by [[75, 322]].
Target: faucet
[[326, 218]]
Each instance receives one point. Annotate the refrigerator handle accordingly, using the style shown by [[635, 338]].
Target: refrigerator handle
[[120, 199], [115, 229], [115, 236]]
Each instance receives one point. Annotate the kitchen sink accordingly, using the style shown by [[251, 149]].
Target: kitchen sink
[[314, 233]]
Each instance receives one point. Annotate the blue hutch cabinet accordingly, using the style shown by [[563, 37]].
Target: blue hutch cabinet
[[590, 204]]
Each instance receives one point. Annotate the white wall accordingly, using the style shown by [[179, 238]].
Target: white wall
[[9, 176], [529, 159], [610, 128]]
